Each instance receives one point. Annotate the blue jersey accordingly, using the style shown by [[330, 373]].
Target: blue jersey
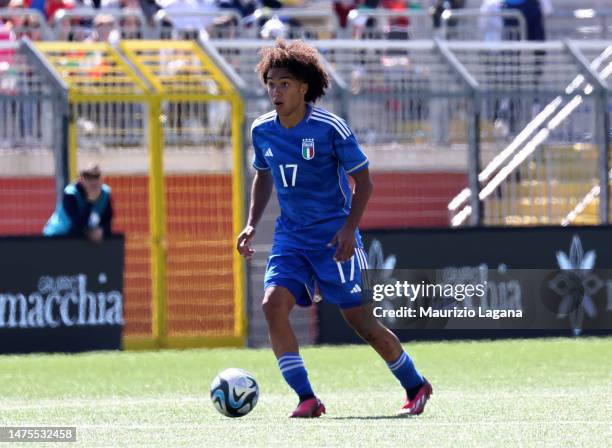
[[309, 164]]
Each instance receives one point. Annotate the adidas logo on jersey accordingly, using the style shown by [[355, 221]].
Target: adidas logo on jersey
[[356, 289], [269, 153]]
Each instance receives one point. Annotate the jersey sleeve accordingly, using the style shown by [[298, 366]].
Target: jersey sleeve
[[348, 151], [259, 161]]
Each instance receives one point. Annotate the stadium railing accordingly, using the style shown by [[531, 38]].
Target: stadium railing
[[551, 101], [220, 24], [471, 24], [80, 24], [32, 117], [462, 24], [587, 24], [388, 24]]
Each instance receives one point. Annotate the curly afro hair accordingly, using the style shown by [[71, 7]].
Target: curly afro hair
[[302, 61]]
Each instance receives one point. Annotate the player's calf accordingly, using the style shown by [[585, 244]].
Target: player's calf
[[277, 305], [388, 346]]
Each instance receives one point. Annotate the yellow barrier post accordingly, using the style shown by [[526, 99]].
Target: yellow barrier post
[[157, 221], [238, 209]]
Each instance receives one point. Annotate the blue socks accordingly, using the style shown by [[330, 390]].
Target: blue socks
[[404, 370], [292, 368]]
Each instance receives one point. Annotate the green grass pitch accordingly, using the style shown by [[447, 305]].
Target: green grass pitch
[[555, 392]]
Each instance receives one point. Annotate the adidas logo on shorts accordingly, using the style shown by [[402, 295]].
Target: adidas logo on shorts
[[269, 153], [356, 289]]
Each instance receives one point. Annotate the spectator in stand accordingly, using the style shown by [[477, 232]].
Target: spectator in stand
[[6, 33], [398, 27], [28, 25], [533, 11], [395, 28], [53, 6], [273, 25], [342, 9], [104, 29], [248, 7], [127, 26], [188, 18], [226, 24], [120, 4], [490, 22], [243, 7], [131, 26], [149, 8], [437, 9], [362, 20]]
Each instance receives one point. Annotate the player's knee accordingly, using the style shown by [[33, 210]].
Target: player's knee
[[372, 334], [275, 307], [367, 334], [362, 329]]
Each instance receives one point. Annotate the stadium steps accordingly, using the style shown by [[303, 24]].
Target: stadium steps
[[527, 199]]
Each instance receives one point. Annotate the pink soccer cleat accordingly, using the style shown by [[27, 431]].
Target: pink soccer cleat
[[417, 404], [310, 408]]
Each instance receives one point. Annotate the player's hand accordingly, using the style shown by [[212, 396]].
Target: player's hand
[[345, 242], [96, 235], [243, 242]]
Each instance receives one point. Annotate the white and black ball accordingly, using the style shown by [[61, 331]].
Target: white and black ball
[[234, 392]]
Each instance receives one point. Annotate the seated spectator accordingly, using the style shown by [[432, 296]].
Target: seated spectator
[[361, 21], [131, 26], [53, 6], [243, 7], [490, 21], [188, 17], [6, 57], [6, 33], [149, 8], [398, 27], [86, 208], [532, 11], [104, 29], [439, 6], [342, 9]]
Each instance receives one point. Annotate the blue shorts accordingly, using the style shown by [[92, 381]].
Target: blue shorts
[[298, 270]]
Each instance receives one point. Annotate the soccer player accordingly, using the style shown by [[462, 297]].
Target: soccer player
[[308, 153]]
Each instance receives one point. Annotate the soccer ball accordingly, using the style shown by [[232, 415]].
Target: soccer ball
[[234, 392]]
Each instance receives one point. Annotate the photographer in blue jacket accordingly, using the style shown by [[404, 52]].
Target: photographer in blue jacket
[[86, 208]]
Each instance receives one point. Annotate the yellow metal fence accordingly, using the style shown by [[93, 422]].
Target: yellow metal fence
[[165, 124]]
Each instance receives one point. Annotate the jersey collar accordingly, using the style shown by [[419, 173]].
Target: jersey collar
[[309, 109]]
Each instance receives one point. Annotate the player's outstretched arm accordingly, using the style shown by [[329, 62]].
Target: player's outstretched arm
[[345, 238], [260, 195]]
